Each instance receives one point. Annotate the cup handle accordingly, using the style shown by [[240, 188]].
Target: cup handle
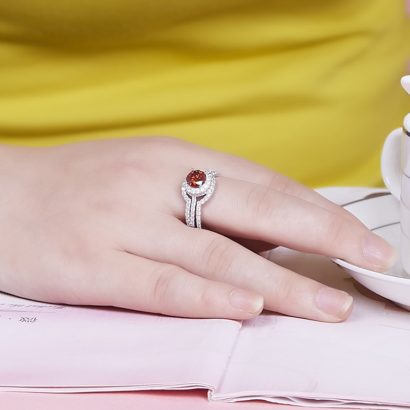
[[390, 162]]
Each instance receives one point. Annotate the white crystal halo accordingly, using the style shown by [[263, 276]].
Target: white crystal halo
[[195, 197], [202, 190]]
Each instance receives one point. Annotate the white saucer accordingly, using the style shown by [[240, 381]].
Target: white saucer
[[381, 214]]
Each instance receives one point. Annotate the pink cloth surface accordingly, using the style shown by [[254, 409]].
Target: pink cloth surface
[[170, 400]]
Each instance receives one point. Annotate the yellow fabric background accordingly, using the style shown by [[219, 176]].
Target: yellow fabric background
[[309, 88]]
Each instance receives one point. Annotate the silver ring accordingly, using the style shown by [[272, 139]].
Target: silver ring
[[197, 188]]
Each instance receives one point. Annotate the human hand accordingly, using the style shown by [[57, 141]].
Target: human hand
[[102, 223]]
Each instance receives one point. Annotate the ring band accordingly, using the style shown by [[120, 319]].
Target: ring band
[[197, 188]]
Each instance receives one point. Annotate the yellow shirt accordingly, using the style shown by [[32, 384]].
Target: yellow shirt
[[309, 88]]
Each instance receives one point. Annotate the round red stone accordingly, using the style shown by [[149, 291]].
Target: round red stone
[[196, 178]]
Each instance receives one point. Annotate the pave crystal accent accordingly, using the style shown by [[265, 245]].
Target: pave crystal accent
[[196, 196]]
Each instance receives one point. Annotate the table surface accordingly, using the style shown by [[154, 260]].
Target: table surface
[[175, 400]]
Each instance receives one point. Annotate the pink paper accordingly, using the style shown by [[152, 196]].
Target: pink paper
[[74, 347]]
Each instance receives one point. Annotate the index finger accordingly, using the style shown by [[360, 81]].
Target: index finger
[[235, 167]]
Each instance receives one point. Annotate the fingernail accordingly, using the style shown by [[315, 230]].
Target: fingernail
[[378, 252], [249, 302], [333, 302]]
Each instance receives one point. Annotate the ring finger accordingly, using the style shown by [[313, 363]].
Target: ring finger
[[246, 210]]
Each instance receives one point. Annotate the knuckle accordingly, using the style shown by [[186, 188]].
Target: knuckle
[[75, 249], [335, 232], [129, 165], [283, 291], [130, 171], [162, 286], [218, 257], [287, 288], [206, 298], [131, 162], [260, 203], [286, 185], [106, 204], [280, 183]]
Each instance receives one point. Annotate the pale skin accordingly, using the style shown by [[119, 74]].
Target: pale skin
[[102, 223]]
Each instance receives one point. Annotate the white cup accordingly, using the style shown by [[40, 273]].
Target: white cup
[[396, 175]]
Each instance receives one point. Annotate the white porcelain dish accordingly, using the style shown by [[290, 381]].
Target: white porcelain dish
[[381, 214]]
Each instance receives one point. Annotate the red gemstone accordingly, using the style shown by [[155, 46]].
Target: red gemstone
[[196, 178]]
